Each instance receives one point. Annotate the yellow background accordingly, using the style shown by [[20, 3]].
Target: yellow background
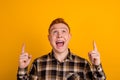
[[27, 21]]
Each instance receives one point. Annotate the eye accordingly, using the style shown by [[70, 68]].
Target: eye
[[54, 31], [64, 31]]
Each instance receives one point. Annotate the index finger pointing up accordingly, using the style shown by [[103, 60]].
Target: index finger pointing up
[[94, 46], [23, 48]]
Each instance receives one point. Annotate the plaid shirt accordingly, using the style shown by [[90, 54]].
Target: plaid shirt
[[74, 67]]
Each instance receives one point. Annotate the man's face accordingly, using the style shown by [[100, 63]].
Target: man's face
[[59, 37]]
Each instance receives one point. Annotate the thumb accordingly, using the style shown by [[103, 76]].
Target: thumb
[[30, 56], [29, 59]]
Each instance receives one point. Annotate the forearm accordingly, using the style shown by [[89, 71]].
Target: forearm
[[98, 73], [22, 74]]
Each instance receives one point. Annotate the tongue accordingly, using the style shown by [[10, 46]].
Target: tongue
[[60, 44]]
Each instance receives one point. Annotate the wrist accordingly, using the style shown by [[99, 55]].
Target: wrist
[[98, 67], [22, 69]]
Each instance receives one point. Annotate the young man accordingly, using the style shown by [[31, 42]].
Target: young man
[[60, 63]]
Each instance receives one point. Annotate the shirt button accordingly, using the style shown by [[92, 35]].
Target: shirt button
[[99, 69]]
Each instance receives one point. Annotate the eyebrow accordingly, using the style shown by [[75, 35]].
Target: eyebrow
[[59, 28]]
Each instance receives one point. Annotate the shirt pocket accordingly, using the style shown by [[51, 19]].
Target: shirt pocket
[[74, 76]]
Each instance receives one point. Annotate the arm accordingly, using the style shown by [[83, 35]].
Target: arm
[[24, 61], [94, 72], [96, 68], [23, 74], [98, 72]]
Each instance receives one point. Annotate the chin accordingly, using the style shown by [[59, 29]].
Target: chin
[[60, 50]]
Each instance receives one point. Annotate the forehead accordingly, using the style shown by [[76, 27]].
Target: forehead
[[59, 26]]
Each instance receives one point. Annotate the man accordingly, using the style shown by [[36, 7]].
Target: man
[[60, 63]]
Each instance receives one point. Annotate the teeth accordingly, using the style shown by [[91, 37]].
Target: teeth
[[60, 42]]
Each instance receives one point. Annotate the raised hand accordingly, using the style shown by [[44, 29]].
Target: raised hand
[[24, 59], [94, 55]]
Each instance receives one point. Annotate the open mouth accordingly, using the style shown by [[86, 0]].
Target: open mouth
[[59, 43]]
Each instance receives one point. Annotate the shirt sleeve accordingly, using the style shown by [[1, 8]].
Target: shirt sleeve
[[23, 74], [94, 72], [98, 72]]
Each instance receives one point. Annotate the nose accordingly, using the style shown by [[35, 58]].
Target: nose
[[59, 35]]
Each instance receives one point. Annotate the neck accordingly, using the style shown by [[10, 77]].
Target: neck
[[61, 56]]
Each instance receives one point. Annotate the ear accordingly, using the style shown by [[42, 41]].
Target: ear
[[70, 35], [49, 37]]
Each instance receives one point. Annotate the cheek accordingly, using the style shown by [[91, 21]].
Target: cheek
[[52, 38], [67, 37]]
